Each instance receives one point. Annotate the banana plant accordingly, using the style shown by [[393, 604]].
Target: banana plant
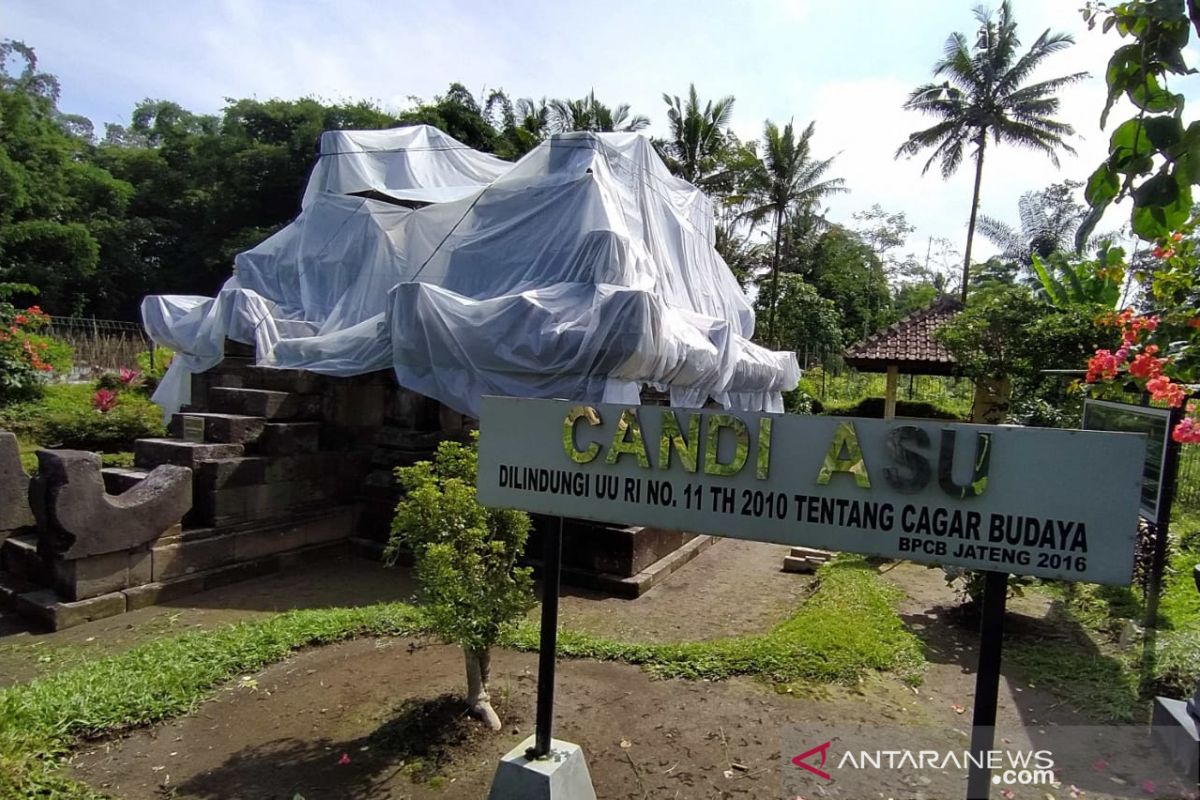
[[1067, 281]]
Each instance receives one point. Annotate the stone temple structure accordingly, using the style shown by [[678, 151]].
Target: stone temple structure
[[419, 276]]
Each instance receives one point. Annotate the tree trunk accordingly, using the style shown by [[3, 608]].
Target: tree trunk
[[974, 210], [478, 666], [774, 279]]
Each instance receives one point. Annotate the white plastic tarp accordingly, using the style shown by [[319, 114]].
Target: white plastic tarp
[[583, 271]]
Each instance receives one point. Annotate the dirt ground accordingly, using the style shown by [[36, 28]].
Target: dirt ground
[[379, 718]]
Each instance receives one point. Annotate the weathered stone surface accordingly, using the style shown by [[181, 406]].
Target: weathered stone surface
[[150, 453], [45, 606], [261, 501], [19, 556], [222, 428], [289, 438], [14, 487], [120, 479], [92, 576], [162, 591], [282, 380], [188, 558], [78, 518], [802, 565], [265, 403]]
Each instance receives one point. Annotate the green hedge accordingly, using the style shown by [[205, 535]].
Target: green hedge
[[872, 407], [64, 417]]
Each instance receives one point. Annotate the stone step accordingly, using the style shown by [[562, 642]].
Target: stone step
[[797, 564], [813, 553], [149, 453], [221, 547], [288, 439], [19, 557], [120, 479], [282, 380], [261, 501], [222, 428], [265, 403], [256, 469]]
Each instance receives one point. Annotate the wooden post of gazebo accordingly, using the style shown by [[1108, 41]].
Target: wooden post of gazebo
[[906, 347]]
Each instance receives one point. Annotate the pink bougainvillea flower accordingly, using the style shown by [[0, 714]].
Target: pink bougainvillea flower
[[1186, 432], [344, 760], [127, 376], [1148, 786], [104, 400]]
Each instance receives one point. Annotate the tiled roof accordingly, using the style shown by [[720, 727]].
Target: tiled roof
[[908, 343]]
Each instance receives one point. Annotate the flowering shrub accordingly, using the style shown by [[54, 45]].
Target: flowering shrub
[[24, 356], [1160, 351]]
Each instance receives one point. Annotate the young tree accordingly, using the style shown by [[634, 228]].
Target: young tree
[[785, 181], [465, 557], [589, 114], [697, 135], [985, 93]]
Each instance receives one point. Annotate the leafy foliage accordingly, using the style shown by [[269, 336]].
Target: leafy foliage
[[465, 555], [1067, 281], [1154, 156], [66, 417], [808, 323], [1008, 333]]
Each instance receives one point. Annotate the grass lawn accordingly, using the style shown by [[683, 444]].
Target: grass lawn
[[1099, 675]]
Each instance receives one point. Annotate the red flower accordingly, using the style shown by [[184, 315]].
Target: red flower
[[1103, 366], [128, 376], [104, 400], [344, 760], [1161, 388], [1145, 365]]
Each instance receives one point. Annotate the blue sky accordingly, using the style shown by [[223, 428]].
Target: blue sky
[[847, 65]]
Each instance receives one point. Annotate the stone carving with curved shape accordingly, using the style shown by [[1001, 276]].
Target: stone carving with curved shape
[[14, 487], [79, 519]]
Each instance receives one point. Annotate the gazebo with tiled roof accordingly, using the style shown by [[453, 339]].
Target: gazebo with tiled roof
[[907, 346]]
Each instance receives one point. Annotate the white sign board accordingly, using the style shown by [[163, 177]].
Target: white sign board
[[1030, 501]]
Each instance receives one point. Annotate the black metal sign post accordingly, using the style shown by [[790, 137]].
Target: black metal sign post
[[987, 683], [548, 648]]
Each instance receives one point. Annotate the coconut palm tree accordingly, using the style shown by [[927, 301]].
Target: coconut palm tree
[[589, 114], [784, 181], [985, 94], [697, 135]]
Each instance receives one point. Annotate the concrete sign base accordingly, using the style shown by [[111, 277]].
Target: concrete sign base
[[561, 775]]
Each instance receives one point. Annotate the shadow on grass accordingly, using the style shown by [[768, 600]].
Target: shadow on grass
[[416, 745]]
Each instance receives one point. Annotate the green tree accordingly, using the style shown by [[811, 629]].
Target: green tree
[[786, 181], [697, 135], [846, 270], [56, 205], [457, 113], [465, 557], [985, 93], [589, 114], [809, 324]]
